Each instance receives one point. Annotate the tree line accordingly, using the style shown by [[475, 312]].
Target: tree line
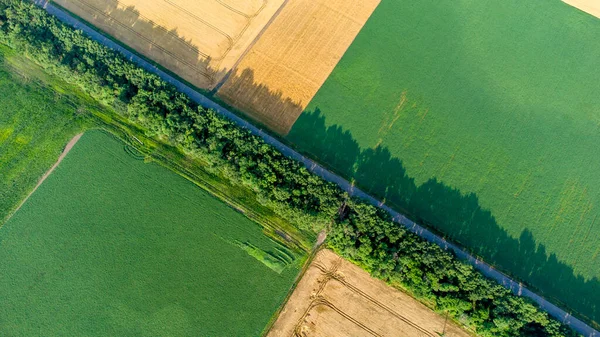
[[359, 232]]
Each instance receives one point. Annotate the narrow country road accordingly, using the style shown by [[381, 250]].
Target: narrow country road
[[483, 267]]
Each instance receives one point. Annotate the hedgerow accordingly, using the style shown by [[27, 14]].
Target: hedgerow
[[360, 232]]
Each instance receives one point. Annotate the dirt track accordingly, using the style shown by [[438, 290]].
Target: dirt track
[[337, 298], [590, 6]]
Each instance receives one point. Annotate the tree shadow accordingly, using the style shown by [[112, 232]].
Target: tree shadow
[[258, 101], [166, 48], [456, 216], [163, 46]]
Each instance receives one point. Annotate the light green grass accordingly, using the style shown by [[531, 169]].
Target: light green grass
[[59, 110], [481, 119], [35, 124], [110, 245], [57, 280]]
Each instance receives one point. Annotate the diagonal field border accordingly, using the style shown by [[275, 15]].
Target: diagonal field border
[[62, 156], [486, 269]]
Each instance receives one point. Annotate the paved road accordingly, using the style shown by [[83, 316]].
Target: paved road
[[483, 267]]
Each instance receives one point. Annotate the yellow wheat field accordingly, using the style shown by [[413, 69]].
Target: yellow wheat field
[[282, 72], [199, 40], [336, 298], [589, 6]]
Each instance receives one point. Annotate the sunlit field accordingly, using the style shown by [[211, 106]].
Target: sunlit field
[[482, 120]]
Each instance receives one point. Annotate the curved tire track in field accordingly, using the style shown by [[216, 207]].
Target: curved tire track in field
[[486, 269], [333, 275], [247, 16], [62, 156], [322, 301]]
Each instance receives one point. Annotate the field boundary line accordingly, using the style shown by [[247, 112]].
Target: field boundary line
[[62, 156], [486, 269], [206, 72], [243, 55], [307, 264]]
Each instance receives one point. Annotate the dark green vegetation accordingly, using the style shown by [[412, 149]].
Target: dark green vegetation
[[480, 119], [111, 245], [367, 236], [164, 113], [280, 183]]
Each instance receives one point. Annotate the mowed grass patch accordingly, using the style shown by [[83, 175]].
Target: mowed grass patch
[[111, 245], [35, 124], [482, 120]]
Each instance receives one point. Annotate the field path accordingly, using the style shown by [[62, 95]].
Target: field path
[[62, 156], [486, 269]]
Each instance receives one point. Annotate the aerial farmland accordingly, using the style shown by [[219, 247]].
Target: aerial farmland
[[299, 168], [86, 244], [282, 72], [195, 39], [112, 243], [337, 298], [481, 120], [588, 6]]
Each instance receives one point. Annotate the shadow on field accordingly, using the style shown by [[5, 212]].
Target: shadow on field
[[241, 91], [157, 40], [440, 207], [448, 211]]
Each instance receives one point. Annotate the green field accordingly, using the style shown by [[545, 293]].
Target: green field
[[481, 119], [26, 152], [111, 245]]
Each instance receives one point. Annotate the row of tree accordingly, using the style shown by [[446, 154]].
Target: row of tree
[[360, 232], [367, 236]]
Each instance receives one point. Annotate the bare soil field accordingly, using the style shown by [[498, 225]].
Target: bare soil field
[[336, 298], [198, 40], [590, 6], [283, 71]]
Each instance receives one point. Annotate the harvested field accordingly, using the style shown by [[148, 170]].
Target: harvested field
[[337, 298], [198, 40], [589, 6], [284, 70]]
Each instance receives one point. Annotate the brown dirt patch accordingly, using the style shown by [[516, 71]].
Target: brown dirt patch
[[286, 67], [196, 39], [589, 6], [336, 298]]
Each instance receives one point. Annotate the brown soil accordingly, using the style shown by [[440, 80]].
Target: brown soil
[[286, 67], [196, 39], [336, 298], [589, 6]]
